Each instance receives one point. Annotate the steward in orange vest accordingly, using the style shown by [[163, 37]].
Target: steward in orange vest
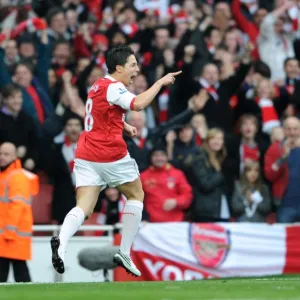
[[17, 186]]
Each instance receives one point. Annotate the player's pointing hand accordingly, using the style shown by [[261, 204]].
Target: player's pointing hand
[[169, 78]]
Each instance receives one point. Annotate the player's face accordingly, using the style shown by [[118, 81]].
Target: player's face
[[130, 70]]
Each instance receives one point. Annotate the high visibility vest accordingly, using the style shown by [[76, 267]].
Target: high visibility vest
[[17, 187]]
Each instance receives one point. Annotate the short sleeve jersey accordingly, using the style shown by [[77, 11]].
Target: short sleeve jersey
[[102, 138]]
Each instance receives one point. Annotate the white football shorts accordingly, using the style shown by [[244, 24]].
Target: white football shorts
[[115, 173]]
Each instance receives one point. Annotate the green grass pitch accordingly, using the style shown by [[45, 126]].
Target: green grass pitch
[[275, 288]]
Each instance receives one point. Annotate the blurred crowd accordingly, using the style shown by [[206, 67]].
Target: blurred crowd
[[221, 144]]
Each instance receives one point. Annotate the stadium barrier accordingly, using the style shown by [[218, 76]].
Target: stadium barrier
[[178, 251], [40, 266]]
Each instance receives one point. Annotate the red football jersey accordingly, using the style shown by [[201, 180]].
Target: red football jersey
[[102, 138]]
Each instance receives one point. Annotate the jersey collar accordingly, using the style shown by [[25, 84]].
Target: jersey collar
[[110, 78]]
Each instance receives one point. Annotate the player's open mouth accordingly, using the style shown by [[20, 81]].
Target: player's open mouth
[[131, 79]]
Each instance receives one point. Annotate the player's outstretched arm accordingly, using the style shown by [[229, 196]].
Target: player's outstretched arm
[[144, 99]]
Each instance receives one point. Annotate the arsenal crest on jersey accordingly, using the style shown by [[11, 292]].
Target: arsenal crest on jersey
[[210, 244], [171, 182]]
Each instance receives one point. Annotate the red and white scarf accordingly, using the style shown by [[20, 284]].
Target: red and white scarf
[[269, 115], [101, 61], [212, 90], [211, 48], [163, 101], [174, 12], [140, 142], [199, 139], [130, 29], [248, 152], [251, 5], [68, 151], [294, 14]]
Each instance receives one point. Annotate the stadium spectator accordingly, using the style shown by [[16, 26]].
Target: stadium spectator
[[57, 23], [204, 172], [112, 206], [292, 74], [18, 128], [27, 49], [248, 145], [248, 26], [251, 201], [167, 192], [284, 160], [62, 57], [200, 126], [180, 145], [277, 135], [277, 161], [11, 55], [59, 163], [217, 109], [258, 71], [36, 101], [267, 105], [17, 187], [274, 44]]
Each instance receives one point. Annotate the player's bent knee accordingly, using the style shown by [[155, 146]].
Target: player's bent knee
[[132, 190]]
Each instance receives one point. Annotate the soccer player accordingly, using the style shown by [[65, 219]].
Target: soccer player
[[102, 157]]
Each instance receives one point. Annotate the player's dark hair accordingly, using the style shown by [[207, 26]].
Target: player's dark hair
[[117, 57]]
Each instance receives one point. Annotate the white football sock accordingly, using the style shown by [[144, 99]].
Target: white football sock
[[73, 220], [132, 216]]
